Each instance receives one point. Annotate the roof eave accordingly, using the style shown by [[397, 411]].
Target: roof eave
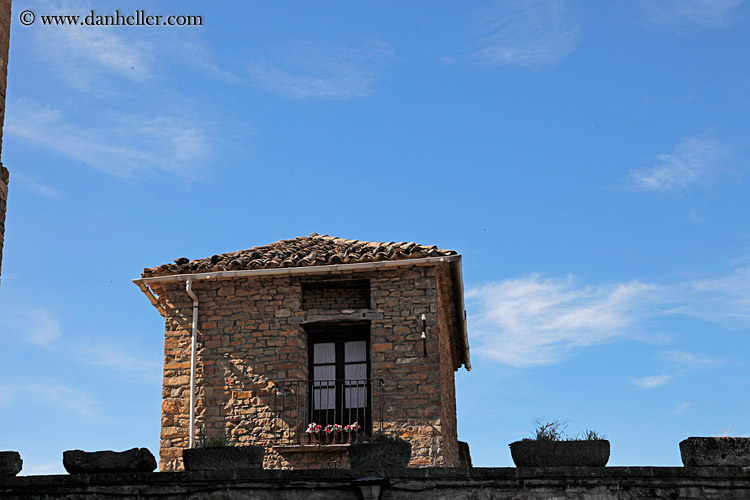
[[326, 269]]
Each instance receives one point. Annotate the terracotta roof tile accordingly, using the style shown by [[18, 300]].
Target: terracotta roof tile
[[313, 250]]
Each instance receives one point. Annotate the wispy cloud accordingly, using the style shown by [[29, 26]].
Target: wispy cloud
[[678, 363], [125, 147], [692, 361], [695, 161], [36, 187], [527, 33], [535, 321], [119, 359], [686, 16], [652, 382], [50, 393], [37, 326], [303, 70], [722, 299], [678, 410], [196, 54], [40, 327], [86, 57]]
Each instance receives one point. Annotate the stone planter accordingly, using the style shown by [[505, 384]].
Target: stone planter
[[376, 456], [223, 458], [715, 451], [10, 463], [594, 453]]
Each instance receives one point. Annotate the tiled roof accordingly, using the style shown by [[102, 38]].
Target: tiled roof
[[313, 250]]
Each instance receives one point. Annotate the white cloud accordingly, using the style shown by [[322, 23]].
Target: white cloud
[[535, 321], [692, 361], [317, 70], [118, 359], [695, 161], [36, 187], [125, 147], [50, 393], [652, 382], [195, 53], [527, 33], [678, 410], [37, 326], [84, 56], [684, 16], [722, 299]]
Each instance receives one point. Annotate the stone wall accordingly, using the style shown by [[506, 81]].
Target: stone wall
[[5, 18], [3, 204], [559, 483], [251, 335]]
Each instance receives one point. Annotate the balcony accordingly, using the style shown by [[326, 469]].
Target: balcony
[[327, 403]]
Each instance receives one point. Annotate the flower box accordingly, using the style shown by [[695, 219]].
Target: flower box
[[533, 453], [715, 451]]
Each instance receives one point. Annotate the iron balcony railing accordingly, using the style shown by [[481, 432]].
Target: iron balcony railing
[[351, 402]]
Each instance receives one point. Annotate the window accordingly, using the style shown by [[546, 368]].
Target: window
[[339, 387], [350, 294]]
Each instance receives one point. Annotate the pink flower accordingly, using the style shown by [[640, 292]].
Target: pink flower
[[313, 428]]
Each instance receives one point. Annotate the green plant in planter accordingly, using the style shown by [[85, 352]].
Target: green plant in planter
[[555, 431], [589, 435], [550, 446], [222, 453], [548, 431], [380, 437], [205, 442]]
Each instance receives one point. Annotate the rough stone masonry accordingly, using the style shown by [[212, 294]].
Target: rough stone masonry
[[4, 176], [253, 332]]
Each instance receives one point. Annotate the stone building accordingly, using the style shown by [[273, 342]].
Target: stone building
[[4, 177], [312, 329]]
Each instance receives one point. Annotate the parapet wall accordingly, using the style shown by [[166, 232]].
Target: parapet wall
[[578, 483]]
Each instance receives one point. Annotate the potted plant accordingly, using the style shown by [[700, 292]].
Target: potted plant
[[328, 434], [379, 451], [715, 451], [352, 432], [312, 434], [221, 454], [551, 447], [338, 432]]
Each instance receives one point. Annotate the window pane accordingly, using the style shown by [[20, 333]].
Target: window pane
[[355, 396], [356, 372], [324, 399], [355, 351], [325, 372], [324, 353]]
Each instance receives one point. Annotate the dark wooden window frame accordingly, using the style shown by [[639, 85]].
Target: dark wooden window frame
[[339, 333]]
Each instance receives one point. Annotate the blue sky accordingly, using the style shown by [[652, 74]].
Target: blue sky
[[588, 160]]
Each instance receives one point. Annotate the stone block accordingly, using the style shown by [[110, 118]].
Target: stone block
[[10, 463], [102, 462]]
